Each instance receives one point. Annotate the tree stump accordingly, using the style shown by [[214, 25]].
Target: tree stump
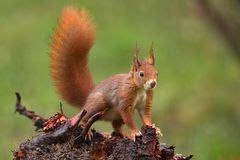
[[61, 139]]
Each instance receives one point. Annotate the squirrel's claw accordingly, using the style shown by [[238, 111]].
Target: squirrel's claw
[[158, 130], [134, 134], [89, 135]]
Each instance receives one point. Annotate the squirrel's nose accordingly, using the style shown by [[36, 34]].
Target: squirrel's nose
[[153, 84]]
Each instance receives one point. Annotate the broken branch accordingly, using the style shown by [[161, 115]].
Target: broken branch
[[37, 120]]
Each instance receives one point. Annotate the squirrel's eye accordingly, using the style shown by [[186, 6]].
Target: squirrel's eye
[[141, 74]]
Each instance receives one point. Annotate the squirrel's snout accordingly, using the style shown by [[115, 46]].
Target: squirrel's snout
[[153, 84], [150, 84]]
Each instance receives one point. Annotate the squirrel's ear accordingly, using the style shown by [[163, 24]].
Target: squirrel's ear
[[136, 62], [151, 58]]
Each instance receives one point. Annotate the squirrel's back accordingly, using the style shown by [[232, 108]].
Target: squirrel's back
[[71, 43]]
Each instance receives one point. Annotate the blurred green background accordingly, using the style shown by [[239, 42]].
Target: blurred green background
[[197, 101]]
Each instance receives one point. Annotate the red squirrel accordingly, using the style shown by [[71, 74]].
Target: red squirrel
[[117, 96]]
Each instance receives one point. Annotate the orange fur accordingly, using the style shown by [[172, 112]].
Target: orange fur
[[72, 41], [116, 97], [147, 113]]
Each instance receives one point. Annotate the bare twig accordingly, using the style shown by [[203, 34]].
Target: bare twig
[[37, 120], [76, 119], [86, 128], [93, 119], [61, 108]]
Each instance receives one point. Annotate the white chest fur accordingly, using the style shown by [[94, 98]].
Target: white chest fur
[[139, 104], [140, 99]]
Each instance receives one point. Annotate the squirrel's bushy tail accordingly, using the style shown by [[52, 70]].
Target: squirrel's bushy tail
[[71, 43]]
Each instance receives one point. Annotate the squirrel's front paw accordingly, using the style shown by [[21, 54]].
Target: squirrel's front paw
[[134, 134], [158, 130]]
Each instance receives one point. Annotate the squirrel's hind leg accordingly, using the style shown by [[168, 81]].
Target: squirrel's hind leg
[[117, 126], [94, 104]]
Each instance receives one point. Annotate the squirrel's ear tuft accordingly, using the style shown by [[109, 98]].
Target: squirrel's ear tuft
[[151, 58], [136, 61]]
